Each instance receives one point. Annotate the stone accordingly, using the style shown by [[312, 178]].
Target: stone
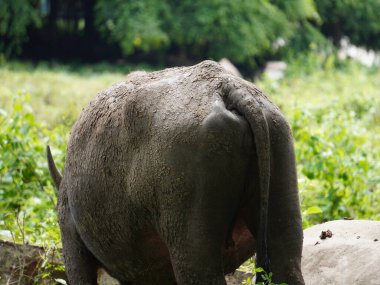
[[343, 258]]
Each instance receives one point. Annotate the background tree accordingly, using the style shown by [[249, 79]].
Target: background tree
[[357, 20], [182, 32], [15, 18], [237, 29], [134, 25]]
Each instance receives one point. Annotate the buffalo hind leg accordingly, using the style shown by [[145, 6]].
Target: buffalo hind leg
[[81, 266], [198, 230], [207, 191], [197, 264]]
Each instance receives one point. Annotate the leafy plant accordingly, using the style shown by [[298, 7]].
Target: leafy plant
[[249, 267], [267, 277], [27, 197], [334, 123]]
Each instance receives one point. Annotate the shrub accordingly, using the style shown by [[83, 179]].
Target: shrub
[[27, 197], [337, 164], [333, 109]]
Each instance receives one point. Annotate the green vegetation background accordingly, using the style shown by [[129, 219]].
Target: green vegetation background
[[332, 106], [168, 32]]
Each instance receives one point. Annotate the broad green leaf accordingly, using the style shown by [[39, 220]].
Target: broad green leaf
[[313, 210]]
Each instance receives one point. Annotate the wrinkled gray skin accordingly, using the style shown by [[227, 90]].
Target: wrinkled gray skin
[[177, 177]]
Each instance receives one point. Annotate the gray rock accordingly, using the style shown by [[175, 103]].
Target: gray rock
[[350, 256]]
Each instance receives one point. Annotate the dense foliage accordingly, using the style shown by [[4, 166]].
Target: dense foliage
[[15, 18], [27, 198], [234, 29], [357, 20], [135, 25], [245, 31], [334, 114]]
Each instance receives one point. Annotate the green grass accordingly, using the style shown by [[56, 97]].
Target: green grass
[[58, 92], [333, 108]]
